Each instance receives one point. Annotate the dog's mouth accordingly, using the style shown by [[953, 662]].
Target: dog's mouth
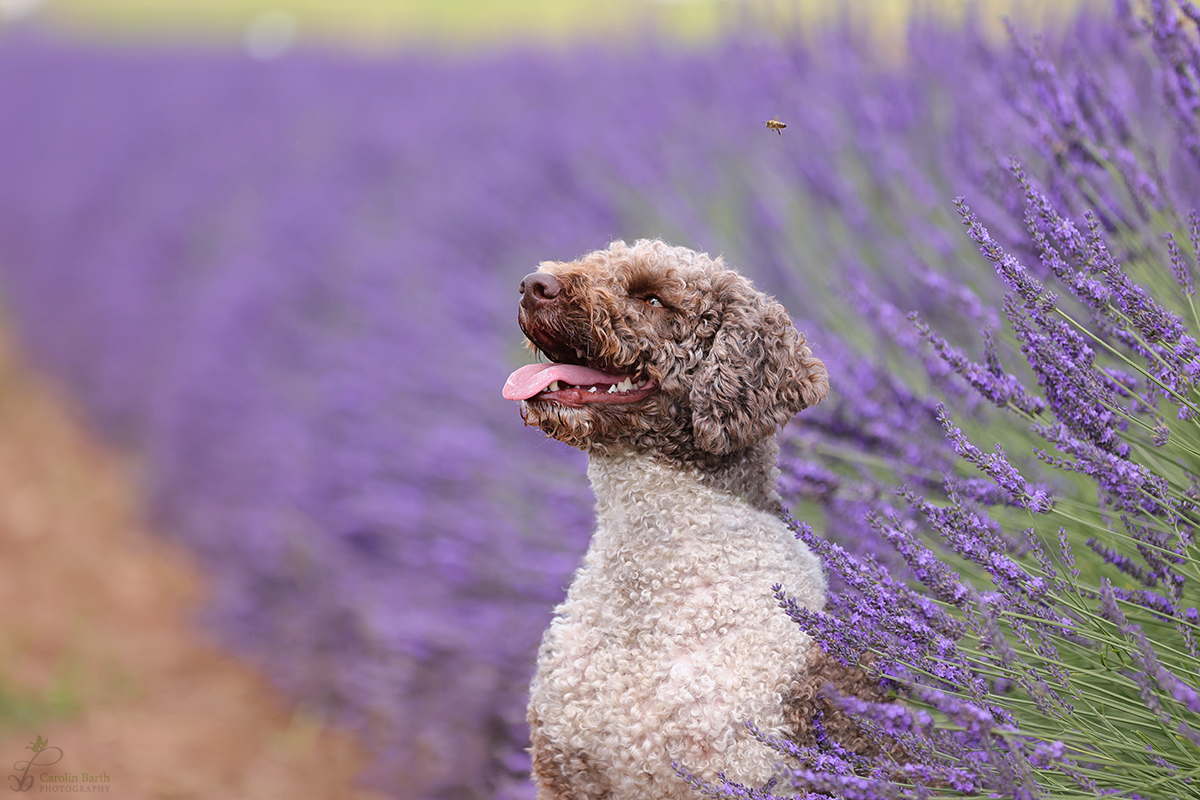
[[574, 385], [572, 381]]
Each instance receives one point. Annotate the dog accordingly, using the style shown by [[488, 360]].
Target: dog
[[674, 374]]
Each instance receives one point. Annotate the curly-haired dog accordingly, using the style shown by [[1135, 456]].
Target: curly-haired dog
[[673, 373]]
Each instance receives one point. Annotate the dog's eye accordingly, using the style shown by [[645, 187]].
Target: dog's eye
[[651, 300]]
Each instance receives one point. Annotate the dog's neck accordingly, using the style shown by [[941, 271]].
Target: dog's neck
[[749, 475]]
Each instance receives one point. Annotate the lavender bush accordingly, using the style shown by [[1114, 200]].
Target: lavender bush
[[1041, 628], [290, 286]]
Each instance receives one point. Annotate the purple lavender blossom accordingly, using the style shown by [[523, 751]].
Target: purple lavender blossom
[[991, 381], [1179, 265], [997, 467]]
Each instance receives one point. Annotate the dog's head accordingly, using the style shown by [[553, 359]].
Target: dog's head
[[659, 349]]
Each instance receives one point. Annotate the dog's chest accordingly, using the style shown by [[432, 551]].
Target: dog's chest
[[671, 620], [656, 587]]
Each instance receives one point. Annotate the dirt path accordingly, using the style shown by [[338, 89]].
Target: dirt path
[[96, 653]]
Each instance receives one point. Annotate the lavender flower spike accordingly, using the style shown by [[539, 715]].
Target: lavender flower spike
[[1002, 388], [997, 467], [1179, 266], [1016, 276]]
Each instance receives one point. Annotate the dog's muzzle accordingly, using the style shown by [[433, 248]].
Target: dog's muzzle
[[571, 381]]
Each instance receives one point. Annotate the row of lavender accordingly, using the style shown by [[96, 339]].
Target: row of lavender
[[291, 286], [1037, 609]]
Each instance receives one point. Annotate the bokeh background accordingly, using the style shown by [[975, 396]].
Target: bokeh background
[[266, 526]]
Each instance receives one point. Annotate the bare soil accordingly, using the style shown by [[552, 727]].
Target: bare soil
[[98, 655]]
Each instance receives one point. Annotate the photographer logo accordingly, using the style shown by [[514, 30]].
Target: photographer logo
[[32, 771]]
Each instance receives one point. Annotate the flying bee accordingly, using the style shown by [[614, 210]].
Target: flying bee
[[776, 125]]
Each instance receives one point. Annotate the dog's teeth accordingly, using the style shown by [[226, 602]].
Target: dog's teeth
[[612, 389], [592, 389], [554, 387], [578, 353]]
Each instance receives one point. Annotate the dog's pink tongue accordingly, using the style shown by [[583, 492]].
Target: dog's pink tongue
[[533, 378]]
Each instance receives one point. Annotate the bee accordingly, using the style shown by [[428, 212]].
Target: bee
[[776, 125]]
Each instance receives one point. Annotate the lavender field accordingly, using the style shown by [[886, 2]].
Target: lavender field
[[290, 288]]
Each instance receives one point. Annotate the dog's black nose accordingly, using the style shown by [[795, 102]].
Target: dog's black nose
[[538, 288]]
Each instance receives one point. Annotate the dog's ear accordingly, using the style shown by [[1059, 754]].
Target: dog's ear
[[758, 373]]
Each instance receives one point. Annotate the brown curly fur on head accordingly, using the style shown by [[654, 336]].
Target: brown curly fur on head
[[727, 362]]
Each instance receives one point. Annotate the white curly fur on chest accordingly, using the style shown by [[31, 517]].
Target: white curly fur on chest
[[669, 639]]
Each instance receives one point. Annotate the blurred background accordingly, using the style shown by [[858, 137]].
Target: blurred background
[[266, 526], [382, 28]]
